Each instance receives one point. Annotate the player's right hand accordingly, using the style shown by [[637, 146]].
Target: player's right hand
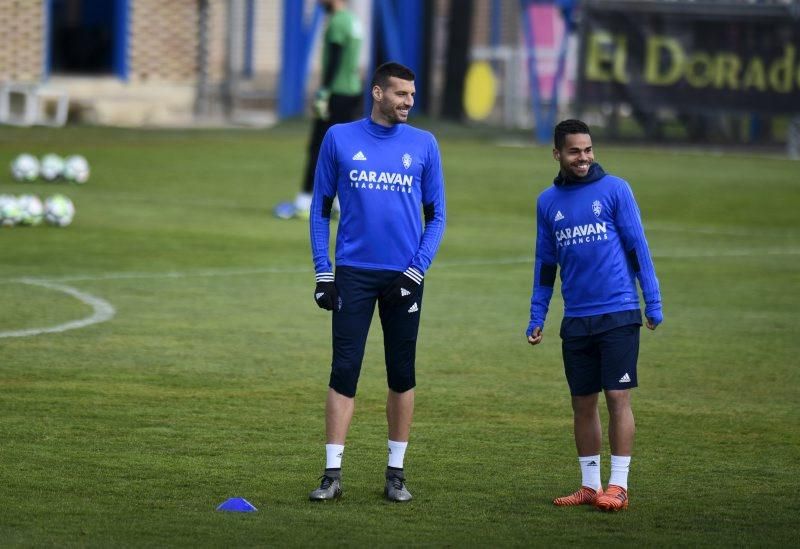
[[535, 336], [325, 293], [321, 104]]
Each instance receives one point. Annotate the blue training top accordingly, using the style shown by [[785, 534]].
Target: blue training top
[[591, 228], [381, 176]]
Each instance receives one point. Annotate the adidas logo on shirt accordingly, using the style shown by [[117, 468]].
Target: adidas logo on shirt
[[404, 292], [359, 156], [625, 379], [413, 308], [559, 216]]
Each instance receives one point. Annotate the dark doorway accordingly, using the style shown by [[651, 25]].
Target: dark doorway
[[88, 37]]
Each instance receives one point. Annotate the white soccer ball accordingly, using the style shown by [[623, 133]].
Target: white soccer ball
[[58, 210], [25, 167], [10, 214], [31, 208], [51, 167], [76, 169]]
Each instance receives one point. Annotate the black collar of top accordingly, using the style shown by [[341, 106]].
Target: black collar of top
[[595, 172]]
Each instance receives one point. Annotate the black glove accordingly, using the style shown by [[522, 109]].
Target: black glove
[[325, 293], [404, 289]]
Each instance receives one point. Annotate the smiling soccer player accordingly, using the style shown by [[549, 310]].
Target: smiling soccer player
[[384, 172], [589, 226]]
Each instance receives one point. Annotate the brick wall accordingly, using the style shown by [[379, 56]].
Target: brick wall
[[163, 40], [216, 39], [22, 32]]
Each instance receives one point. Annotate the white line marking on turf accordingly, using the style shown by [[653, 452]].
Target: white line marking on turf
[[690, 254], [721, 231], [512, 260], [103, 310], [178, 274]]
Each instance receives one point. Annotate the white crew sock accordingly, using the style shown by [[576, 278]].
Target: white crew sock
[[333, 453], [397, 452], [590, 471], [619, 471], [303, 201]]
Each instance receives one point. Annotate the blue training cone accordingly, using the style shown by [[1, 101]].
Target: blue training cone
[[237, 505]]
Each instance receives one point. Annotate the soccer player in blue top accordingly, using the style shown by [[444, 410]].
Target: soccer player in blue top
[[589, 226], [382, 171]]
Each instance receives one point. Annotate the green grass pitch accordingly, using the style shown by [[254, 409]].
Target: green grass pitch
[[209, 381]]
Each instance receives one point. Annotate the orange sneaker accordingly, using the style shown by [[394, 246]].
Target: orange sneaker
[[584, 496], [615, 498]]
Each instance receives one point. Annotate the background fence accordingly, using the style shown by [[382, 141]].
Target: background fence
[[712, 71]]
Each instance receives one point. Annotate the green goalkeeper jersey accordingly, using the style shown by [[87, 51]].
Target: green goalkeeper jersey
[[345, 30]]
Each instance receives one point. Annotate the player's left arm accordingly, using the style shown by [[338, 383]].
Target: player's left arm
[[433, 206], [631, 230]]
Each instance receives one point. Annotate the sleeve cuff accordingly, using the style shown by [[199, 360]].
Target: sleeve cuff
[[534, 324], [414, 274]]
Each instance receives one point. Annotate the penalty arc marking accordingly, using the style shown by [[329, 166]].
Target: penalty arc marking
[[102, 310]]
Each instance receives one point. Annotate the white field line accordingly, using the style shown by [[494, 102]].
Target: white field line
[[103, 310], [742, 252], [175, 274], [722, 231], [512, 260]]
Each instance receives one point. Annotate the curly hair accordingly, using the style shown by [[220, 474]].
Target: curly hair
[[567, 127]]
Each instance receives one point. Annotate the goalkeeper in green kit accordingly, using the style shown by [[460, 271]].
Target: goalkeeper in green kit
[[338, 99]]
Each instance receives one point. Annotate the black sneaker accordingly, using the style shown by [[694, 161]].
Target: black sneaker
[[330, 486], [395, 489]]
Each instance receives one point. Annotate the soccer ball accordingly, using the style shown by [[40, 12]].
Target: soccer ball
[[51, 167], [76, 169], [58, 210], [25, 167], [10, 214], [31, 209]]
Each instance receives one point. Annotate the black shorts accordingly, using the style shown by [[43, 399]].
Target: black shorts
[[603, 361], [359, 290]]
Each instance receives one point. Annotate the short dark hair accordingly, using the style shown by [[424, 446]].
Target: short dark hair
[[388, 70], [567, 127]]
